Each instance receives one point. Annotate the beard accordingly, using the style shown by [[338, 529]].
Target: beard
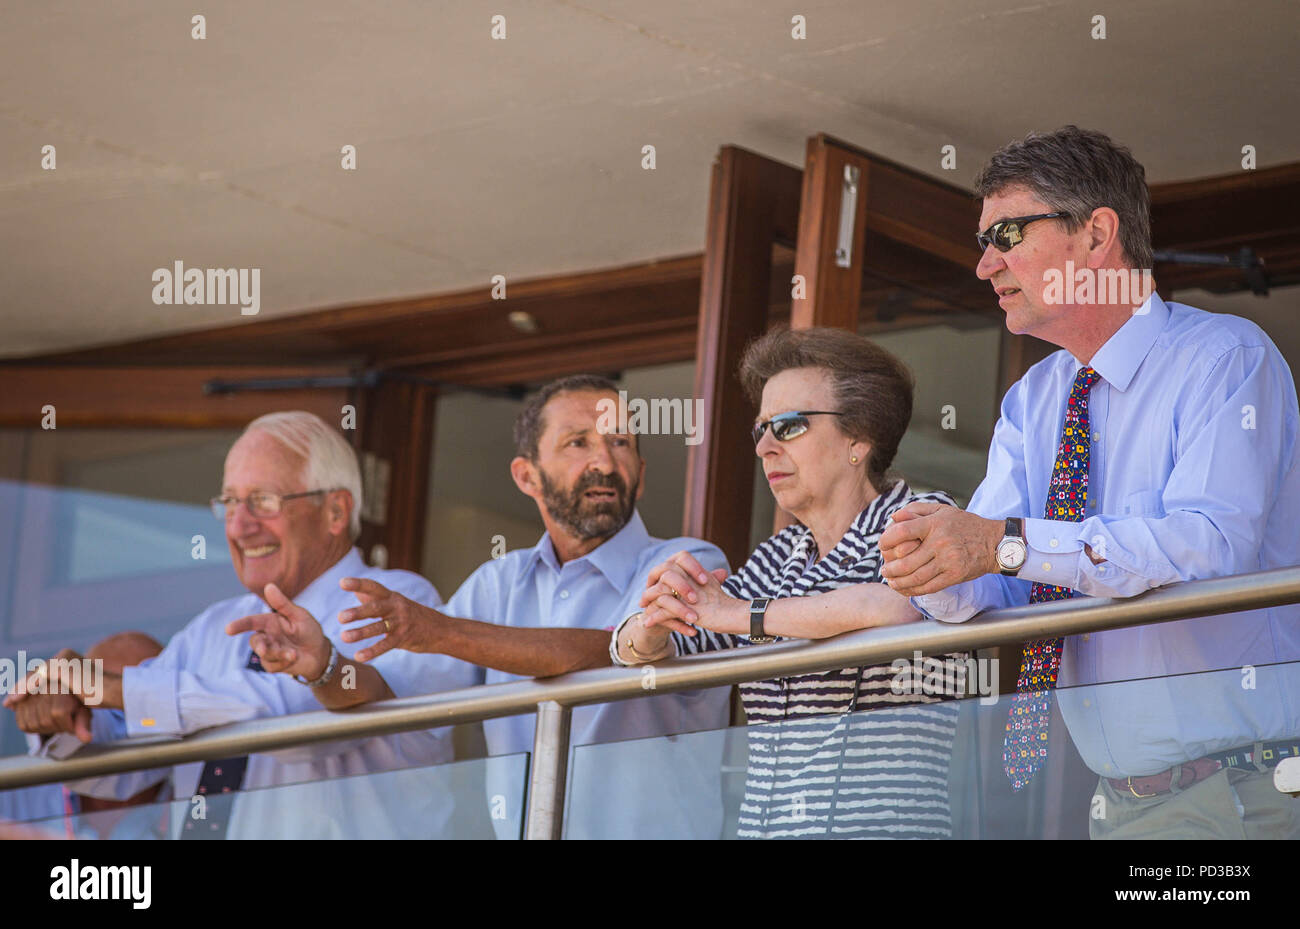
[[589, 519]]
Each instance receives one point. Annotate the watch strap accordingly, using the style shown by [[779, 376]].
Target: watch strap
[[1015, 529], [328, 674], [757, 607]]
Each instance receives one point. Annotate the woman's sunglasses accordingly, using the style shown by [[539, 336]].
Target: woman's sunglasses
[[787, 426], [1007, 233]]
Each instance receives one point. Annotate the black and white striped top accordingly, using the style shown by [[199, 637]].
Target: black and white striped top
[[817, 767]]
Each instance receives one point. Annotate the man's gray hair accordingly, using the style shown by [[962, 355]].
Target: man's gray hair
[[1077, 171], [330, 463]]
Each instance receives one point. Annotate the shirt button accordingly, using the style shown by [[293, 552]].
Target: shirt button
[[1087, 636], [1047, 566], [1105, 767], [1054, 543], [1096, 436], [1087, 703], [564, 595]]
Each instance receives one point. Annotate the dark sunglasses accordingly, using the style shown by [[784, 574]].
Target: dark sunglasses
[[1007, 233], [787, 426]]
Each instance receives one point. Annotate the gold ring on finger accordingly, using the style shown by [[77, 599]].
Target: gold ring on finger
[[387, 628]]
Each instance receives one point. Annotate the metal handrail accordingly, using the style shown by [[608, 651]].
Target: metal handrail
[[553, 698]]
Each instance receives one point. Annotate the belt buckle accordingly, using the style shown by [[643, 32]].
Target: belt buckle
[[1135, 793]]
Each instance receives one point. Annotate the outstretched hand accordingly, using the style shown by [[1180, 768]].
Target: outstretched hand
[[403, 623], [288, 640]]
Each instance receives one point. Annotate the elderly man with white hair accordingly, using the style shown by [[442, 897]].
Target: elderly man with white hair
[[290, 500]]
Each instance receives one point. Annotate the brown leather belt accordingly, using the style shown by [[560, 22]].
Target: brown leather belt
[[1153, 784], [1247, 757]]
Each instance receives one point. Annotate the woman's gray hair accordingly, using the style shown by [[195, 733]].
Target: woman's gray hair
[[1077, 171], [872, 388], [329, 461]]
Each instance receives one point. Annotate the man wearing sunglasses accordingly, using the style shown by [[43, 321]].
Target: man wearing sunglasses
[[1159, 445], [290, 507]]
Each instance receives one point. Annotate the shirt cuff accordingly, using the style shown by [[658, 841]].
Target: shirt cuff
[[105, 726], [613, 642], [613, 645], [1054, 552], [150, 701], [943, 605]]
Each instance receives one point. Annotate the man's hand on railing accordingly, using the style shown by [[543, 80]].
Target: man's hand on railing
[[43, 705], [680, 594], [46, 714], [403, 623]]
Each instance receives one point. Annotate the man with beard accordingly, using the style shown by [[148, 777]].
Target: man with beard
[[549, 610]]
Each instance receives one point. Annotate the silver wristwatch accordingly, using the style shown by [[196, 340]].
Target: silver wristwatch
[[1012, 550], [327, 675]]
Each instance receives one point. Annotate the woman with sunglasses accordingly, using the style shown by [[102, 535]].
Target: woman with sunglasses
[[833, 408]]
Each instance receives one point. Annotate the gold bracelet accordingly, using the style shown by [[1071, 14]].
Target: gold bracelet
[[632, 648]]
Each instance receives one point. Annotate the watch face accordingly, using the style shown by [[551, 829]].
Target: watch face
[[1011, 553]]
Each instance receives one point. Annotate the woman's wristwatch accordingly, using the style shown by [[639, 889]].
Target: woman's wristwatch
[[757, 607]]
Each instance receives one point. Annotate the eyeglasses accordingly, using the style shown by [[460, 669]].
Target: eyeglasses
[[1006, 233], [787, 426], [262, 504]]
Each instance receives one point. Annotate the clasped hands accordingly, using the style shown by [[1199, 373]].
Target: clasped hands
[[931, 546], [926, 548], [681, 595]]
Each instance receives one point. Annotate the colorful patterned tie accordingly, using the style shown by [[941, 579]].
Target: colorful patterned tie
[[1025, 745], [218, 783]]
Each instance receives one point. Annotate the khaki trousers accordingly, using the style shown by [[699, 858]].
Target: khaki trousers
[[1235, 803]]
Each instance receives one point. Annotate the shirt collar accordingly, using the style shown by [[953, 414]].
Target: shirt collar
[[1118, 360], [616, 558]]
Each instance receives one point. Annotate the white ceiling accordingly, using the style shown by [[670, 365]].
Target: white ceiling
[[523, 157]]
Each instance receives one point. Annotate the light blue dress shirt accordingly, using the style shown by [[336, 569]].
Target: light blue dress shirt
[[201, 680], [25, 804], [1194, 473], [660, 788]]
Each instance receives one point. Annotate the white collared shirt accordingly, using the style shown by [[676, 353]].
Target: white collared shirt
[[201, 680], [662, 787]]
